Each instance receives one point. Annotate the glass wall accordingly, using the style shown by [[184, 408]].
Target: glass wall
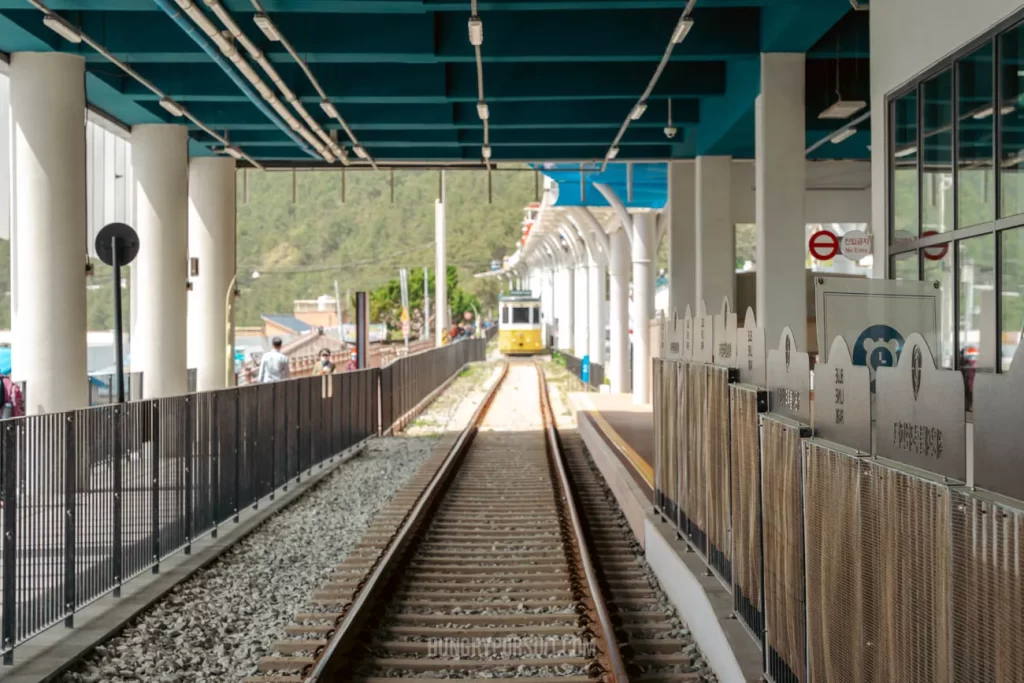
[[956, 203]]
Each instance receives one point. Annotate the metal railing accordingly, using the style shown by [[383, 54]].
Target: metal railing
[[92, 497]]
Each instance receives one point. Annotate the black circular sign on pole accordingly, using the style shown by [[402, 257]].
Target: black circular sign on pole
[[127, 241]]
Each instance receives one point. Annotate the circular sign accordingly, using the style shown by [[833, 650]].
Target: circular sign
[[127, 242], [937, 252], [855, 245], [878, 346], [824, 245], [902, 238]]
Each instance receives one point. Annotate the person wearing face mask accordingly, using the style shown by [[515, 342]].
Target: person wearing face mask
[[326, 367], [353, 361]]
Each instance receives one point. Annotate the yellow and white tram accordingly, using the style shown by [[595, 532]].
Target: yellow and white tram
[[520, 329]]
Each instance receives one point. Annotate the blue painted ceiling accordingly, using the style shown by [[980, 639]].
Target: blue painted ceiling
[[559, 75]]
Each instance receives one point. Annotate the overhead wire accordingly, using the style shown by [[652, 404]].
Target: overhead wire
[[149, 85]]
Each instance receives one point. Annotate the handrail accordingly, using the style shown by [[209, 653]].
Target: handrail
[[616, 667]]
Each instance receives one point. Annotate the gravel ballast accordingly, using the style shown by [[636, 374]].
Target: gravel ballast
[[215, 626]]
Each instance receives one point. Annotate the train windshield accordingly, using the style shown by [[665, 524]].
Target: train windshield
[[521, 314]]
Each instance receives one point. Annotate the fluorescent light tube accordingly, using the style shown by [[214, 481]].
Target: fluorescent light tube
[[682, 28], [360, 152], [843, 135], [613, 152], [638, 111], [486, 151], [233, 152], [982, 113], [483, 111], [171, 107], [62, 28], [476, 31], [329, 108], [906, 152], [843, 109], [267, 26]]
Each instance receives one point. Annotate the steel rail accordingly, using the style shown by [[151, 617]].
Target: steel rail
[[350, 628], [615, 667]]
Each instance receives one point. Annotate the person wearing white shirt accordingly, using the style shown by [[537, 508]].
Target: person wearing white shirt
[[274, 365]]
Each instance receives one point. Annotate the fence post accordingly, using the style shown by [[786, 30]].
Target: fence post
[[251, 450], [238, 452], [190, 415], [154, 456], [273, 437], [298, 432], [118, 487], [69, 519], [215, 454], [10, 564]]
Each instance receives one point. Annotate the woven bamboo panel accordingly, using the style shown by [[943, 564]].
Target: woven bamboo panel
[[784, 596], [837, 617], [669, 475], [681, 455], [658, 404], [696, 490], [744, 447], [906, 533], [988, 591], [716, 459]]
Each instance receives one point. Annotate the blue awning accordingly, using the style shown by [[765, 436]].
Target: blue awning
[[650, 184]]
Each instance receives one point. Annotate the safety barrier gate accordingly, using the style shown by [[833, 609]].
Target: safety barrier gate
[[852, 549]]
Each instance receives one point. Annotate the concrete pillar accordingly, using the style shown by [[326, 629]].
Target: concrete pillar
[[618, 312], [715, 248], [643, 254], [682, 241], [552, 315], [211, 239], [566, 308], [780, 172], [49, 217], [595, 316], [581, 331], [441, 269], [160, 163]]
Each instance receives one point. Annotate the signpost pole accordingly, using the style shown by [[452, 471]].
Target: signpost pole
[[115, 245]]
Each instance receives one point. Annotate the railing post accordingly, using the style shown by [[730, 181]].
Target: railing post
[[238, 452], [273, 438], [154, 456], [251, 446], [69, 520], [10, 564], [215, 454], [190, 415], [118, 487], [298, 432]]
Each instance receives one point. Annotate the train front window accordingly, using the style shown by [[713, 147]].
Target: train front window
[[536, 316], [521, 315], [504, 315]]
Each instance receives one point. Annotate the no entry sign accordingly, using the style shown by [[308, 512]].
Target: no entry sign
[[855, 245], [936, 253], [823, 245]]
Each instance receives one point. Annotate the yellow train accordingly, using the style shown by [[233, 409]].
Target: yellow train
[[520, 329]]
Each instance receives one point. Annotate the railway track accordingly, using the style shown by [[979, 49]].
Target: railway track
[[479, 568]]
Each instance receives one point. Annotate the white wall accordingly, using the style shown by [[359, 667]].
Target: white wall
[[837, 192], [907, 37]]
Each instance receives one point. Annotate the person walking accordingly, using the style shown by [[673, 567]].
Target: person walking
[[353, 361], [326, 367], [13, 399], [274, 364]]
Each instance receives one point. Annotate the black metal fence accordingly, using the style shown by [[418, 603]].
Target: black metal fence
[[93, 497], [575, 366]]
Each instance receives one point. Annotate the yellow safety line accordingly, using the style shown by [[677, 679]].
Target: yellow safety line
[[639, 464]]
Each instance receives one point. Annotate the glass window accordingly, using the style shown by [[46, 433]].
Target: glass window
[[904, 266], [976, 130], [1011, 293], [1011, 143], [536, 316], [937, 154], [977, 333], [520, 315], [904, 175], [504, 314], [941, 269]]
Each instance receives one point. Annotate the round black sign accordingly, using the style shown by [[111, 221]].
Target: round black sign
[[127, 242]]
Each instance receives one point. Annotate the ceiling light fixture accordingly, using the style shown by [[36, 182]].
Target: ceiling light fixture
[[171, 107], [982, 113], [476, 31], [613, 152], [841, 135], [483, 111], [906, 152], [485, 151], [360, 152], [329, 108], [638, 110], [682, 29], [843, 109], [62, 28], [1008, 109], [267, 26], [233, 152]]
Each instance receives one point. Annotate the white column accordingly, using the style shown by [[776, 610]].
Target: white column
[[682, 241], [581, 333], [567, 308], [618, 311], [780, 180], [596, 294], [160, 164], [49, 217], [552, 315], [643, 254], [211, 239], [441, 269], [716, 253]]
